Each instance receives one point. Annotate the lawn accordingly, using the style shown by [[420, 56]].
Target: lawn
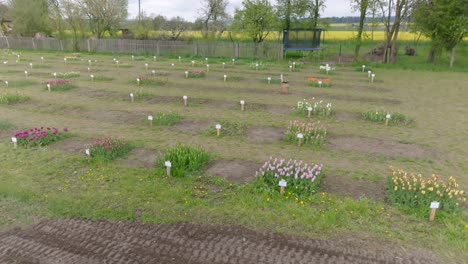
[[59, 180]]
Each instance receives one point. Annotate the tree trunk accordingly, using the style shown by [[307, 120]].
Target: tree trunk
[[452, 57], [432, 55], [363, 9]]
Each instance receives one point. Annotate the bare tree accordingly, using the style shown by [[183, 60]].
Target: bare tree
[[105, 15], [175, 26], [361, 6], [213, 14], [74, 17]]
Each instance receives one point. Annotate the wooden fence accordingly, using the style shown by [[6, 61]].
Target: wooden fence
[[265, 50]]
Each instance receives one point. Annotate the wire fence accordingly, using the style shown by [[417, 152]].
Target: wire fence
[[266, 50]]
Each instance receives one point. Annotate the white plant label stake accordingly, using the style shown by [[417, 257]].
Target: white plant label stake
[[55, 75], [88, 154], [180, 58], [89, 69], [290, 68], [6, 83], [309, 111], [233, 61], [185, 100], [92, 77], [138, 81], [132, 97], [133, 57], [225, 77], [193, 63], [256, 66], [146, 66], [281, 78], [42, 59], [153, 72], [434, 206], [242, 103], [299, 137], [48, 88], [363, 68], [218, 130], [26, 73], [168, 165], [294, 65], [224, 65], [282, 184], [15, 142], [31, 65], [320, 84], [118, 64], [269, 80], [150, 118], [89, 62], [369, 74], [387, 119], [186, 74], [154, 58], [65, 60], [372, 77], [172, 64], [207, 68]]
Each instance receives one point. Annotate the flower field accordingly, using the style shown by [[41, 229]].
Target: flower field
[[100, 150]]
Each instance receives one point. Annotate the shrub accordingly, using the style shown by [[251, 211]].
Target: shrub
[[108, 148], [40, 136], [229, 128], [196, 74], [166, 119], [302, 179], [59, 85], [314, 133], [417, 191], [380, 116], [185, 159], [11, 98], [318, 108]]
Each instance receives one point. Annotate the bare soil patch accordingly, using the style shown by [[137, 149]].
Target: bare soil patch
[[193, 126], [354, 188], [88, 242], [363, 99], [141, 157], [381, 146], [73, 144], [239, 171], [265, 133], [279, 109], [115, 116], [345, 115], [164, 99], [100, 93]]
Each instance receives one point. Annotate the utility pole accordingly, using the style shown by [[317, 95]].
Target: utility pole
[[139, 10]]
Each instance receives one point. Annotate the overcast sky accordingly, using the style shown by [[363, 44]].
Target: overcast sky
[[189, 9]]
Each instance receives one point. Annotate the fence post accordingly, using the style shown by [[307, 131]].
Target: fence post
[[237, 50], [34, 44], [89, 45], [195, 49], [61, 45], [7, 42], [157, 48], [281, 52]]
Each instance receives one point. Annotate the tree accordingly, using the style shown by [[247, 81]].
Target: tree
[[443, 21], [30, 17], [360, 5], [4, 10], [256, 18], [213, 14], [313, 7], [56, 17], [398, 9], [74, 17], [175, 26], [289, 10], [105, 15]]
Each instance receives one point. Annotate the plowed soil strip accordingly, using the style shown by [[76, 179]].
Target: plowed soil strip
[[82, 241]]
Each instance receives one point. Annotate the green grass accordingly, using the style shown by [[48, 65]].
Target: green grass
[[185, 160], [4, 124], [379, 116], [61, 87], [12, 98], [166, 119], [21, 83], [56, 183], [102, 78]]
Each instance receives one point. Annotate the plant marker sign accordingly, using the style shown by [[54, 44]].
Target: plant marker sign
[[185, 100], [309, 111], [224, 65], [172, 64], [42, 59], [89, 69], [294, 65], [207, 68], [193, 63], [88, 154], [26, 73], [372, 77], [146, 66], [434, 206], [282, 184], [153, 72], [168, 165], [225, 77], [154, 58], [369, 74], [256, 66], [319, 83], [218, 130], [242, 103], [92, 77], [132, 97], [89, 62], [233, 61], [186, 74], [290, 68], [133, 57], [363, 68], [150, 118], [387, 119], [180, 58], [269, 79], [15, 142], [281, 77], [31, 65], [48, 87], [6, 83], [118, 64], [55, 75], [300, 136], [138, 81], [65, 60]]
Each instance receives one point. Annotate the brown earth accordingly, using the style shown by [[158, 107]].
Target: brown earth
[[88, 242], [354, 188], [73, 144], [239, 171], [381, 146], [279, 109], [194, 126], [141, 157], [265, 134]]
